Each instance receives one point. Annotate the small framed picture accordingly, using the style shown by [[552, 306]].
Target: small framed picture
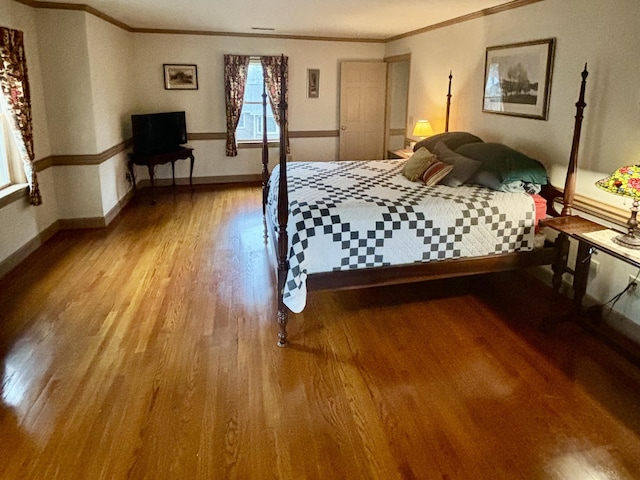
[[313, 83], [517, 79], [180, 76]]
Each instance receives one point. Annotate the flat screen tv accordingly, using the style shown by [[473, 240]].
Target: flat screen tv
[[158, 132]]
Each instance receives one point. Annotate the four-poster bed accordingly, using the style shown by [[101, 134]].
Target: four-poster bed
[[367, 250]]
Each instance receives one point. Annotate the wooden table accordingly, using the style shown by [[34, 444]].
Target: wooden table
[[579, 229], [403, 153], [152, 160]]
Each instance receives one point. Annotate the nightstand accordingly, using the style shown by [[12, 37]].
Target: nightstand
[[590, 236], [404, 153]]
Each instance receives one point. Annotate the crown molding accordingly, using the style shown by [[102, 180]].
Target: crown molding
[[466, 18], [92, 11], [76, 7]]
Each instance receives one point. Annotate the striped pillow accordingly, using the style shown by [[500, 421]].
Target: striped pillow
[[436, 172]]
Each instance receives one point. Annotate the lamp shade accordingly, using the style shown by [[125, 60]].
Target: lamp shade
[[422, 129], [625, 182]]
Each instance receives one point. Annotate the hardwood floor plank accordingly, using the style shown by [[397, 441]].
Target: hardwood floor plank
[[147, 350]]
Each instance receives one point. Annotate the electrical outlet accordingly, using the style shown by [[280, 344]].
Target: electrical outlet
[[635, 288], [594, 268]]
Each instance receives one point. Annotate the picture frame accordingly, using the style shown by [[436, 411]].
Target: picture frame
[[180, 76], [313, 83], [517, 79]]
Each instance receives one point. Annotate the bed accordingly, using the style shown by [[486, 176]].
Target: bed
[[354, 224]]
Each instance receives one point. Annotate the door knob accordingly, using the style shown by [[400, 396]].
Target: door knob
[[343, 127]]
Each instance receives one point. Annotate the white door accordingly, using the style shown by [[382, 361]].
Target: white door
[[362, 118]]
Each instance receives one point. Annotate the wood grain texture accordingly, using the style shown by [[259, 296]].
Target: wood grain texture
[[145, 350]]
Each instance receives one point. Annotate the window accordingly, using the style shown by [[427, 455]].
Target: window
[[250, 125]]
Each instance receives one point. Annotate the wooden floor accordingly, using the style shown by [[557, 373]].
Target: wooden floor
[[148, 351]]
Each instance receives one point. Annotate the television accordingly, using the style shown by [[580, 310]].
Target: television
[[155, 133]]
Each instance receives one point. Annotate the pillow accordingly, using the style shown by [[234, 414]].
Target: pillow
[[453, 140], [417, 163], [463, 167], [490, 179], [503, 165], [436, 172]]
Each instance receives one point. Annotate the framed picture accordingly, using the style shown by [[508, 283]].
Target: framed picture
[[517, 79], [180, 76], [313, 83]]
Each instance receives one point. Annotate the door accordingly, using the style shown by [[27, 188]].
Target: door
[[362, 116]]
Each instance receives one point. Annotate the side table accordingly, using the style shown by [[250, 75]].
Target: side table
[[152, 160], [403, 153], [590, 236]]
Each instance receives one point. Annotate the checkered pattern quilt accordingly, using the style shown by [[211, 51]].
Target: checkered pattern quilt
[[363, 214]]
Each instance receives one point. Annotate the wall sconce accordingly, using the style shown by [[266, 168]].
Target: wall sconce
[[625, 182]]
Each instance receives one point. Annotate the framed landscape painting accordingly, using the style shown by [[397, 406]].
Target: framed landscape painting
[[180, 77], [517, 79]]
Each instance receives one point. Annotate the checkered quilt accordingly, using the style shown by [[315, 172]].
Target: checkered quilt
[[364, 214]]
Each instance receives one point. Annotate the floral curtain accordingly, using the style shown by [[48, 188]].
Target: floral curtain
[[235, 79], [273, 67], [14, 84]]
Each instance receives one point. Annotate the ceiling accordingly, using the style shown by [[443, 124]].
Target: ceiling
[[360, 19]]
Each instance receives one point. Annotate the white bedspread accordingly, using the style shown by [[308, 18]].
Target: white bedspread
[[345, 215]]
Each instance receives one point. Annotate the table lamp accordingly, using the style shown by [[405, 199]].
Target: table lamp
[[625, 182], [423, 129]]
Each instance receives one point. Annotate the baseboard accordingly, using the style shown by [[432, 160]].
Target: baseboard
[[28, 248], [79, 223], [118, 207], [220, 180]]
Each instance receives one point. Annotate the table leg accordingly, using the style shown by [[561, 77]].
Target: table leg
[[153, 186], [581, 275], [559, 266], [173, 173], [191, 172], [132, 175]]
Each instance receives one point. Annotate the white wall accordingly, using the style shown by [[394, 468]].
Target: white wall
[[111, 65], [205, 107], [603, 34], [89, 95], [67, 85]]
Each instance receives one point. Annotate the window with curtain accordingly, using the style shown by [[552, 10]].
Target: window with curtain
[[249, 127], [245, 82], [16, 101]]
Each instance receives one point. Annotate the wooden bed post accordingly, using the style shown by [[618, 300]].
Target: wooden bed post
[[265, 160], [283, 213], [570, 180], [265, 149], [446, 121]]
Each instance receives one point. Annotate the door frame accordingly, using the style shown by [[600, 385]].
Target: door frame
[[387, 117]]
